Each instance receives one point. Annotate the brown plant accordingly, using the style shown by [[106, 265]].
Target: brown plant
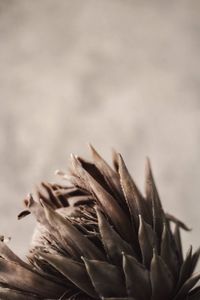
[[98, 237]]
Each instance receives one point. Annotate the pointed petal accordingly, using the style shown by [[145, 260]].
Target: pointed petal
[[80, 163], [111, 177], [137, 278], [168, 251], [161, 279], [135, 200], [106, 278], [79, 174], [115, 160], [72, 270], [177, 238], [113, 243], [153, 197], [147, 240], [149, 180]]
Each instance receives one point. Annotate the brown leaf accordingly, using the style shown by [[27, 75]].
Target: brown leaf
[[106, 278], [147, 240], [161, 279], [72, 270], [113, 243], [137, 278]]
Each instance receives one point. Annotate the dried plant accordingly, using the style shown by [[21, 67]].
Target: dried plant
[[98, 237]]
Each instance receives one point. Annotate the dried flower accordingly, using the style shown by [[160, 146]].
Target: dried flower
[[98, 237]]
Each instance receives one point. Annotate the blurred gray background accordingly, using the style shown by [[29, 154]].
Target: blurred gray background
[[122, 74]]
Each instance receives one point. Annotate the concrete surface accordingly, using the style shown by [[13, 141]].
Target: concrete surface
[[121, 74]]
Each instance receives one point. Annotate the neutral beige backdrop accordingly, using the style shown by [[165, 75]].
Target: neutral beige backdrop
[[123, 74]]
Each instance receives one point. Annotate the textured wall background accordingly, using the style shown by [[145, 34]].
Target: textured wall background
[[116, 73]]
